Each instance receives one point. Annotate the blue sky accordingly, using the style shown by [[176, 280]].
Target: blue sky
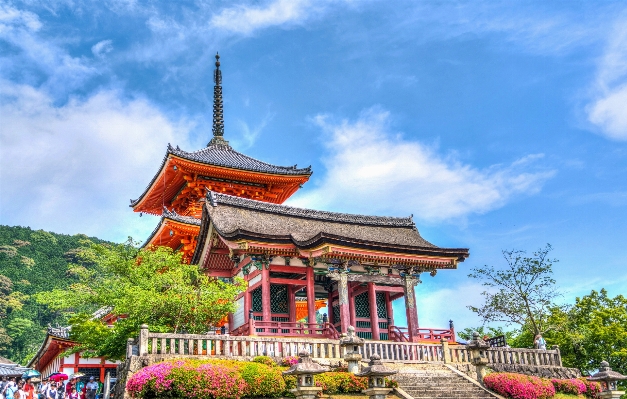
[[498, 125]]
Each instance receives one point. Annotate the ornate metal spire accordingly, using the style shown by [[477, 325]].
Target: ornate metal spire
[[218, 112]]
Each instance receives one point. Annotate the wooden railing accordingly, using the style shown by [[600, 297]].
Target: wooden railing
[[287, 329], [150, 343], [401, 334]]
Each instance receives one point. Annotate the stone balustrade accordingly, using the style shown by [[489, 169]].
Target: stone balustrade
[[184, 345]]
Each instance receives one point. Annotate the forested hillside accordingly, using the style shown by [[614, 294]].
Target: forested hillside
[[30, 262]]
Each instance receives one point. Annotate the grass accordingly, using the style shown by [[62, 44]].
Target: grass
[[567, 396]]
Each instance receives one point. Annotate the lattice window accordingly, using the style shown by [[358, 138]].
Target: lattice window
[[364, 334], [256, 300], [362, 324], [336, 314], [278, 299], [362, 307], [384, 336], [382, 309], [90, 372]]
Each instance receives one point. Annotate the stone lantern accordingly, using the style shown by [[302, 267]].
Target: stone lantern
[[304, 371], [376, 373], [609, 377], [478, 355], [352, 343]]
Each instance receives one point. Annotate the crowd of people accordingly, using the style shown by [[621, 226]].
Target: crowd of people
[[15, 388]]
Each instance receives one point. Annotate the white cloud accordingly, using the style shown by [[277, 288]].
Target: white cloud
[[102, 47], [608, 109], [370, 170], [79, 163], [245, 19], [33, 54]]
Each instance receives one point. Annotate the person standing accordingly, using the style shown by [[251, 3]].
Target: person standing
[[539, 342], [10, 388], [91, 388], [29, 388]]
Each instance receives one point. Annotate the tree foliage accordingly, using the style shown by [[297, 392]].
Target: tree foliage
[[138, 286], [33, 261], [523, 292], [593, 329]]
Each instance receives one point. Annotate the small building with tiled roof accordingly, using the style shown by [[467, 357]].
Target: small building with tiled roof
[[51, 357]]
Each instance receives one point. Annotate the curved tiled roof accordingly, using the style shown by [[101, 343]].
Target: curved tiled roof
[[172, 215], [386, 221], [237, 218], [225, 155]]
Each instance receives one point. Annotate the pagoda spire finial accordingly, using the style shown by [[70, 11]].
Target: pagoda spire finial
[[218, 111]]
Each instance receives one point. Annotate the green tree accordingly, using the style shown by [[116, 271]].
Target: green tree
[[594, 329], [466, 333], [138, 286], [9, 301], [523, 292]]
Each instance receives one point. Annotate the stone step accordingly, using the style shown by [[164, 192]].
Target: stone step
[[438, 382]]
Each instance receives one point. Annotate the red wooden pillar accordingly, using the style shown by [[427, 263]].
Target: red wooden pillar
[[374, 316], [265, 293], [311, 298], [330, 308], [390, 308], [343, 301], [351, 302], [410, 307], [291, 302]]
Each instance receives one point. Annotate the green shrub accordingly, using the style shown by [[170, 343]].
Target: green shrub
[[262, 380], [341, 382], [267, 360]]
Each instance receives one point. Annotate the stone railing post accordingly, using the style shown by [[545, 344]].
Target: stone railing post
[[556, 348], [129, 347], [143, 340], [446, 353]]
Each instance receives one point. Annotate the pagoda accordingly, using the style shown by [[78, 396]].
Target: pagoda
[[224, 212], [178, 189]]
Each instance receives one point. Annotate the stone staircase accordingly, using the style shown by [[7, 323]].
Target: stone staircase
[[431, 381]]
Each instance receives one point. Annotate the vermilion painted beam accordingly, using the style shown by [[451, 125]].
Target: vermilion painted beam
[[288, 281], [288, 269]]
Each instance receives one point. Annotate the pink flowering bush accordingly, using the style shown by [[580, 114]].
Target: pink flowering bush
[[519, 386], [289, 361], [592, 387], [151, 381], [186, 380], [573, 386]]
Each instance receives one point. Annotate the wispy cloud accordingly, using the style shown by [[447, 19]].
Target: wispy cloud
[[102, 47], [608, 109], [246, 19], [372, 170], [80, 162], [249, 135]]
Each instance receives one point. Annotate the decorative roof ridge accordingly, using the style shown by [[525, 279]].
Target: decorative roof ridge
[[225, 146], [215, 199], [180, 218]]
